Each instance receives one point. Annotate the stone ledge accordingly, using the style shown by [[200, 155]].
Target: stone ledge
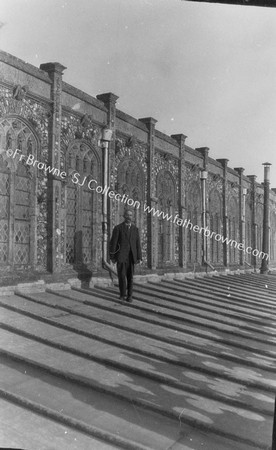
[[100, 282], [7, 290], [58, 286], [146, 278], [74, 282], [28, 288], [40, 286]]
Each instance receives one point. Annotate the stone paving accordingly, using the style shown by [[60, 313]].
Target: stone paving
[[194, 364]]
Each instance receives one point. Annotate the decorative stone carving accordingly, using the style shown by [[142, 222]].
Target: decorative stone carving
[[259, 198], [167, 203], [19, 92], [191, 174], [165, 162], [74, 128], [195, 168], [131, 141]]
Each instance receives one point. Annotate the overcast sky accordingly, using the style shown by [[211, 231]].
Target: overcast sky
[[207, 71]]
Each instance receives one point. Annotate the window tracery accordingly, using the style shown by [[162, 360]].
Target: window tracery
[[166, 195]]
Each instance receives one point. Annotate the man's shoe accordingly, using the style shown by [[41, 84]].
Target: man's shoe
[[122, 298], [129, 299]]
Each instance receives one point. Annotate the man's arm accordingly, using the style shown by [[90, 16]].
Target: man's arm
[[113, 246], [138, 247]]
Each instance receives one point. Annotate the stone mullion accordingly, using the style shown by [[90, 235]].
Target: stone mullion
[[152, 250], [54, 259]]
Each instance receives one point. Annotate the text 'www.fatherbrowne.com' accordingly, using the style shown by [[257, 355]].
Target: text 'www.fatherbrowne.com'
[[186, 223]]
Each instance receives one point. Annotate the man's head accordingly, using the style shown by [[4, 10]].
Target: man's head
[[128, 215]]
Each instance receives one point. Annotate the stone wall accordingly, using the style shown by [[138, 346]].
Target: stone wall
[[51, 165]]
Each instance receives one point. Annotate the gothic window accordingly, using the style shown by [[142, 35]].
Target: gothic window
[[78, 163], [248, 230], [130, 181], [272, 253], [216, 226], [85, 164], [17, 188], [189, 256], [259, 227], [81, 206], [194, 240], [4, 211], [215, 245], [69, 160], [166, 194], [22, 216], [135, 197], [71, 223], [9, 140], [233, 230]]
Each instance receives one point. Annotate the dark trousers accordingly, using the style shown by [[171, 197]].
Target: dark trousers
[[125, 272]]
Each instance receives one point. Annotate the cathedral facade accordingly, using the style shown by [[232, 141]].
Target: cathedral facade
[[194, 213]]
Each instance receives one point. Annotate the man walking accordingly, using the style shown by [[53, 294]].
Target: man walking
[[125, 250]]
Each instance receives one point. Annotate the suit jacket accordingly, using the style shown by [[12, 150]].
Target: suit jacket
[[124, 241]]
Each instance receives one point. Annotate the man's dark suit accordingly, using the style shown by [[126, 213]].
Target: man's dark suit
[[125, 249]]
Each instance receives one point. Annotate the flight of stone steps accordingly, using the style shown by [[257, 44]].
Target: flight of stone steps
[[189, 365]]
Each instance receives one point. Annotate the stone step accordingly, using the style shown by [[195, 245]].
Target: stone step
[[168, 373], [224, 328], [229, 345], [220, 296], [183, 353], [215, 301], [22, 428], [241, 287], [235, 296], [259, 280], [144, 339], [232, 422], [179, 299], [80, 408], [27, 424]]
